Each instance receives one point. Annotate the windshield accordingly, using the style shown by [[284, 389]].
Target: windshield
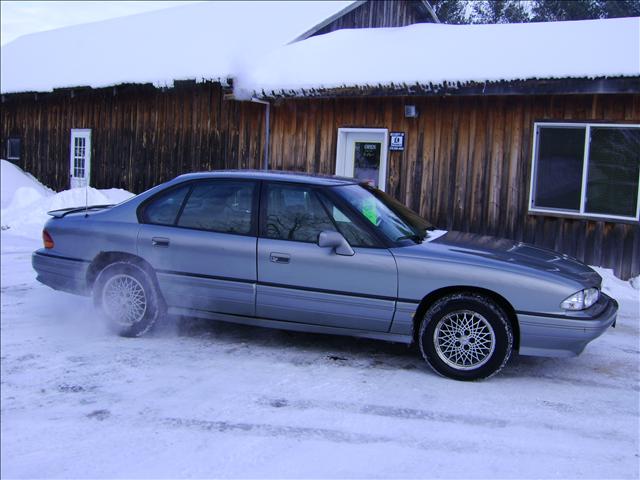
[[386, 214]]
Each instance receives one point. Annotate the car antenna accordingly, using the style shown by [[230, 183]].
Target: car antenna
[[86, 197]]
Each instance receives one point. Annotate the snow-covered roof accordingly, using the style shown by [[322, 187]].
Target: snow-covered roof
[[203, 41], [430, 55]]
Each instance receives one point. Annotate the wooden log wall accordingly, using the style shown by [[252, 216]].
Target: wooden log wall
[[467, 162], [380, 13], [141, 136]]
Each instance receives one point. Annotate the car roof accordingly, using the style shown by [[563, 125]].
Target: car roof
[[274, 175]]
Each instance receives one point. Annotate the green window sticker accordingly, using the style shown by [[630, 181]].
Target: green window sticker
[[369, 210]]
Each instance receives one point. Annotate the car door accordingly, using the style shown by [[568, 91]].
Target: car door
[[200, 238], [298, 281]]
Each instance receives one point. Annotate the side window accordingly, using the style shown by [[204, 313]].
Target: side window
[[13, 148], [295, 213], [223, 206], [164, 208], [355, 235]]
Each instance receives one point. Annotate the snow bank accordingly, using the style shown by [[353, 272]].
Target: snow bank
[[432, 54], [206, 40], [13, 179], [25, 201]]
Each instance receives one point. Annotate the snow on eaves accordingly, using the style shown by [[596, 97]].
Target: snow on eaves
[[203, 41], [428, 56]]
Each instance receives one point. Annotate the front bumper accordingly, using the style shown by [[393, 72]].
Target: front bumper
[[61, 273], [551, 336]]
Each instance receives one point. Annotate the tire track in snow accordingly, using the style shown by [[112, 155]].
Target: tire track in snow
[[341, 436], [416, 414]]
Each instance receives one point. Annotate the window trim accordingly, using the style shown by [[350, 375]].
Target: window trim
[[9, 157], [581, 214]]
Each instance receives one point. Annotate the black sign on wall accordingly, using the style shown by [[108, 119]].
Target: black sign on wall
[[396, 141]]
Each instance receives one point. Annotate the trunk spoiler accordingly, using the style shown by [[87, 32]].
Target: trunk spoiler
[[66, 211]]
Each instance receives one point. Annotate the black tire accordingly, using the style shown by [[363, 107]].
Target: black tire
[[127, 298], [465, 336]]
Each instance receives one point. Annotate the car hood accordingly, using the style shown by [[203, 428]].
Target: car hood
[[487, 250]]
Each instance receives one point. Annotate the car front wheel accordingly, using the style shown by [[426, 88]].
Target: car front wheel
[[126, 296], [466, 336]]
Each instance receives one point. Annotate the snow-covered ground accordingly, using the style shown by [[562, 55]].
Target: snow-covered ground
[[200, 399]]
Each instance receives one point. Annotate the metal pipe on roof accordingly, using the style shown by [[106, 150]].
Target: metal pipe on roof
[[267, 128]]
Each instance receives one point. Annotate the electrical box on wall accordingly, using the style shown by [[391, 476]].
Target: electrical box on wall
[[410, 111]]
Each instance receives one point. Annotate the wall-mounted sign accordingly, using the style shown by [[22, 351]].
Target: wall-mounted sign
[[396, 141]]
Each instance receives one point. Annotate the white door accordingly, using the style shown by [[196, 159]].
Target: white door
[[80, 157], [362, 154]]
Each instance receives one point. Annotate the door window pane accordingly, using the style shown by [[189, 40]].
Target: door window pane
[[366, 161], [164, 208], [558, 179], [295, 213], [220, 206], [612, 178]]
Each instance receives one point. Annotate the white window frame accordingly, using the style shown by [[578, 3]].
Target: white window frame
[[585, 169], [341, 151]]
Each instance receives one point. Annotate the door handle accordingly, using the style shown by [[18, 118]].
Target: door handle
[[279, 257], [160, 242]]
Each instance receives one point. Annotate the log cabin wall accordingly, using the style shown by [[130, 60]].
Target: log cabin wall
[[380, 13], [141, 136], [467, 162]]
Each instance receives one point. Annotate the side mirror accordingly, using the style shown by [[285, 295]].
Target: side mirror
[[336, 241]]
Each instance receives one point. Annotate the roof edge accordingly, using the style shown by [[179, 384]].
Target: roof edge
[[563, 86]]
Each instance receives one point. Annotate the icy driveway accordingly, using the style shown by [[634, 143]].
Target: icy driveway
[[218, 400]]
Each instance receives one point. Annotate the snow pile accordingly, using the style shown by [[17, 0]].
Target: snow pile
[[203, 41], [13, 179], [431, 54], [25, 201]]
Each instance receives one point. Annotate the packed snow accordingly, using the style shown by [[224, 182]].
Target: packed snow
[[204, 399], [432, 54], [204, 41]]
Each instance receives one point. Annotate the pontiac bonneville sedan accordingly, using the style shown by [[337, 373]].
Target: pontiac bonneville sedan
[[326, 255]]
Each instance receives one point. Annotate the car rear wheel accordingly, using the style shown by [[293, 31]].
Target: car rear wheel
[[466, 336], [127, 298]]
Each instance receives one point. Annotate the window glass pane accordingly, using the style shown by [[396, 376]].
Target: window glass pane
[[13, 148], [366, 161], [612, 178], [295, 213], [164, 209], [219, 206], [355, 235], [558, 168]]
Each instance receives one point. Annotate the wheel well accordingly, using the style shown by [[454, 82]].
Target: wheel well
[[499, 299], [106, 258]]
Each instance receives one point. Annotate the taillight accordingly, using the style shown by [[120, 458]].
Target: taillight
[[47, 240]]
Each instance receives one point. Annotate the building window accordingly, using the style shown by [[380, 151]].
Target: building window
[[13, 148], [586, 170]]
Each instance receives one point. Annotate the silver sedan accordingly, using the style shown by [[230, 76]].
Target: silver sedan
[[326, 255]]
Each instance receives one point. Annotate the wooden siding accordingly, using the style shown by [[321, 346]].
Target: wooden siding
[[466, 165], [380, 13], [141, 136], [467, 162]]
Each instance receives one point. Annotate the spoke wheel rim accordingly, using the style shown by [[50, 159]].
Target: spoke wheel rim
[[124, 300], [464, 340]]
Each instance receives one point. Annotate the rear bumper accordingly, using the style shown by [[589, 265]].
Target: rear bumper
[[61, 273], [549, 336]]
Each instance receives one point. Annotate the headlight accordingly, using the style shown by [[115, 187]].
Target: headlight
[[581, 300]]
